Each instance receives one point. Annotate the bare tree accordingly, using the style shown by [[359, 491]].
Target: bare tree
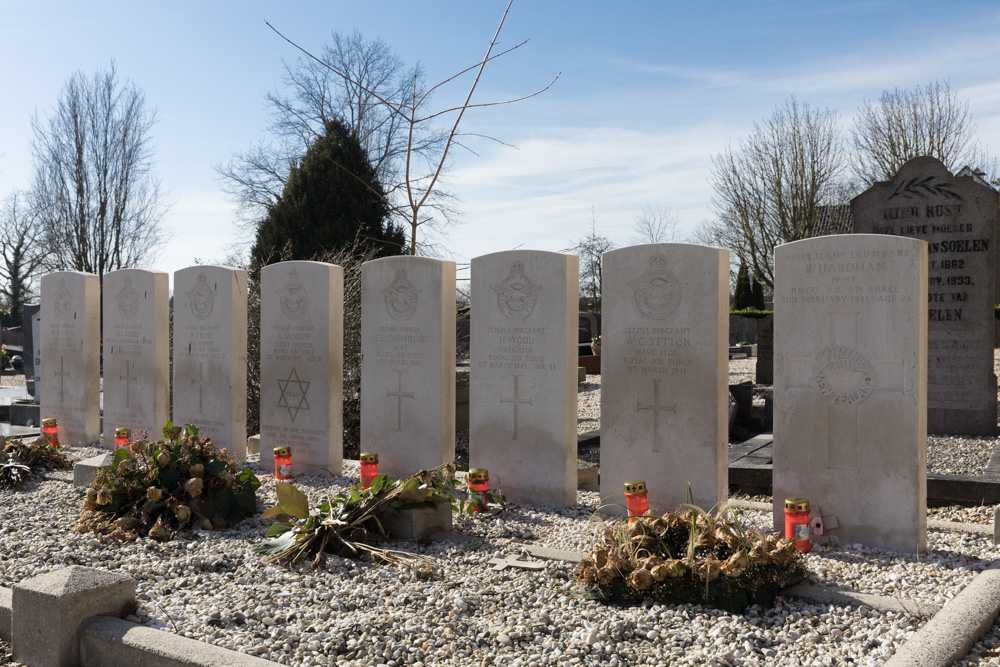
[[22, 251], [905, 124], [94, 190], [314, 96], [423, 168], [655, 224], [591, 249], [769, 189]]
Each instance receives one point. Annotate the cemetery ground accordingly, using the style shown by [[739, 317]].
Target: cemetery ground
[[210, 585]]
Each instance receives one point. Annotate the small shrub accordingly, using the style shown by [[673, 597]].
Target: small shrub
[[18, 460], [689, 556], [175, 484]]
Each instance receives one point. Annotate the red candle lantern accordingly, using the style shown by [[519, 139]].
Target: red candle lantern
[[369, 468], [479, 481], [50, 430], [283, 462], [797, 523], [636, 499], [122, 436]]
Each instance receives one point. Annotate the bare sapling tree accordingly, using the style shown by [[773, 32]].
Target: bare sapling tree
[[94, 190], [22, 251], [655, 223], [427, 150], [905, 124], [313, 97], [591, 249], [769, 188]]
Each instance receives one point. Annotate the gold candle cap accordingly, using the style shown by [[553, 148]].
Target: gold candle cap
[[283, 451], [635, 487], [123, 433], [49, 421], [369, 457], [479, 475], [797, 504]]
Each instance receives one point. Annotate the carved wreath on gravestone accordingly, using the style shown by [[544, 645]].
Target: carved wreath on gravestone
[[922, 187], [63, 300], [401, 297], [201, 298], [128, 301], [293, 297], [516, 294], [657, 292]]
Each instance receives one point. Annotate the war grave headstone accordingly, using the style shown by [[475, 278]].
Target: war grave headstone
[[850, 377], [523, 374], [302, 365], [664, 405], [70, 354], [765, 350], [136, 352], [408, 374], [210, 354], [957, 217]]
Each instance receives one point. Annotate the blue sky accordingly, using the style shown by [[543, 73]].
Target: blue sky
[[648, 92]]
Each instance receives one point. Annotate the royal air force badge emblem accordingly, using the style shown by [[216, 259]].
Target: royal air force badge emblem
[[128, 301], [516, 294], [63, 300], [293, 297], [201, 298], [401, 297], [657, 292]]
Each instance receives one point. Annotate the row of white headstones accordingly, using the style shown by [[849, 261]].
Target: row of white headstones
[[850, 371]]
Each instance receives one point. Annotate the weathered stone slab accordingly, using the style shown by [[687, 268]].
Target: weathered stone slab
[[523, 374], [408, 374], [765, 350], [665, 373], [957, 218], [210, 354], [850, 373], [302, 365], [70, 359], [136, 352]]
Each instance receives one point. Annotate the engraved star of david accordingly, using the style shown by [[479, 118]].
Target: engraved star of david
[[289, 391]]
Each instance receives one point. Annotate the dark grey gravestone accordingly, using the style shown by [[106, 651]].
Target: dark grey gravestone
[[956, 215], [765, 350], [29, 347]]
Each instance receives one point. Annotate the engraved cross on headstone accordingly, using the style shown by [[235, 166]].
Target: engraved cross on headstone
[[517, 401], [657, 409], [844, 376], [62, 376], [400, 395], [128, 381], [201, 384]]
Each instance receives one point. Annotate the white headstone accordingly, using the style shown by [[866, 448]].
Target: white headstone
[[302, 365], [523, 391], [210, 354], [664, 374], [136, 352], [70, 357], [850, 385], [408, 374]]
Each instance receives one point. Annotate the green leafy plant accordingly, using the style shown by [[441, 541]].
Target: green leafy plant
[[350, 524], [174, 484], [689, 556], [18, 460]]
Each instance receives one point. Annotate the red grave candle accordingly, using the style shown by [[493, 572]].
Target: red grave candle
[[636, 499], [122, 436], [797, 523], [50, 430], [479, 481], [283, 463], [369, 468]]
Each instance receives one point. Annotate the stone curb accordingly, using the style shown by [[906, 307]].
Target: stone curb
[[954, 630]]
